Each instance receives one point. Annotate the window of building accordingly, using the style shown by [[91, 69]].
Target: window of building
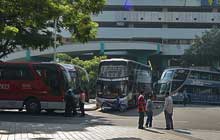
[[190, 25], [147, 25], [190, 9]]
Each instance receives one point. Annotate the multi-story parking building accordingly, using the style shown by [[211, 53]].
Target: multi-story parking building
[[156, 30]]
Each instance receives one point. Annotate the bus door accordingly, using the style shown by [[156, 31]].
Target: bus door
[[51, 77], [178, 82]]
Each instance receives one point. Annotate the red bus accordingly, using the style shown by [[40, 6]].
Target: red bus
[[33, 86]]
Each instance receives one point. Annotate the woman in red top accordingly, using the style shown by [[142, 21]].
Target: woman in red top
[[82, 102], [141, 110]]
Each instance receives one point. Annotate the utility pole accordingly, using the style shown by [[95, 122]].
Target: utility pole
[[55, 40]]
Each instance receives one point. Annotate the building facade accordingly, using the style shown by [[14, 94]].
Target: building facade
[[143, 30]]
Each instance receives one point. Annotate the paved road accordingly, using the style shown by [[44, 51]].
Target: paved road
[[21, 126], [111, 126], [191, 117]]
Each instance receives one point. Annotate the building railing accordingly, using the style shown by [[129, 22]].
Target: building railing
[[158, 17]]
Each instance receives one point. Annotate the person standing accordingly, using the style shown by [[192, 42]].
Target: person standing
[[82, 102], [168, 111], [149, 112], [141, 110], [185, 98], [74, 104], [69, 100]]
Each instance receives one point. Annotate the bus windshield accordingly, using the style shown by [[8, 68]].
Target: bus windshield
[[111, 89], [113, 70], [167, 75], [143, 76], [73, 81]]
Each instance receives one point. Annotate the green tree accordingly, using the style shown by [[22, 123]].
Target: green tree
[[205, 50], [91, 67], [30, 23]]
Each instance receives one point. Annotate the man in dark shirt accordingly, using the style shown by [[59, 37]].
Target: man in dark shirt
[[69, 99]]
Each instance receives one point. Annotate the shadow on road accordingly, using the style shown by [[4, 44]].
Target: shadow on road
[[36, 124], [41, 138], [153, 131], [196, 106], [131, 112], [183, 131]]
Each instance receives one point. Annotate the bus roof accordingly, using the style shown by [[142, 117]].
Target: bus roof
[[68, 66], [24, 62], [125, 60], [27, 63], [193, 69]]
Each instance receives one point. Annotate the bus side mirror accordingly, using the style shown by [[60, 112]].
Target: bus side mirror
[[155, 85]]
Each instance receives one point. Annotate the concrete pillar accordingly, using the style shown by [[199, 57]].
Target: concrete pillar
[[102, 48], [28, 54]]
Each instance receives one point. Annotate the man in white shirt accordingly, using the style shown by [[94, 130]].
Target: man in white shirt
[[168, 111]]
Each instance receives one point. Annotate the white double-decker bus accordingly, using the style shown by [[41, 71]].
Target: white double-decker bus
[[122, 79], [201, 86]]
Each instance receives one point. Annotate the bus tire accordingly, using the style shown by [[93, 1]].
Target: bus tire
[[103, 107], [33, 106], [122, 108], [50, 110]]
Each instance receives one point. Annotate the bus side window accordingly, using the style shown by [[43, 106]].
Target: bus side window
[[1, 73], [20, 72], [215, 77], [181, 74], [205, 76], [194, 75]]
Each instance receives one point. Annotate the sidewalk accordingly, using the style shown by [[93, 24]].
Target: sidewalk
[[91, 105], [44, 131]]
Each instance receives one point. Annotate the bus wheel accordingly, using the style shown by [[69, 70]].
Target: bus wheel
[[33, 106], [50, 110], [122, 108]]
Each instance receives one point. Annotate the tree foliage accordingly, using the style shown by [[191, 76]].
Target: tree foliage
[[205, 50], [91, 67], [30, 23]]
